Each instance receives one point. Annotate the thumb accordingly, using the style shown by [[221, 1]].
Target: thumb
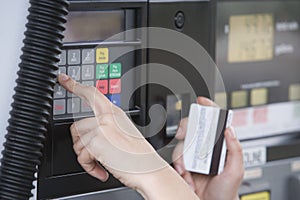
[[234, 166]]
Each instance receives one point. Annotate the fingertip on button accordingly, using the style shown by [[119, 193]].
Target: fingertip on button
[[63, 77]]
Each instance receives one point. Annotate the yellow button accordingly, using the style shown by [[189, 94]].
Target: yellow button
[[257, 196], [178, 105], [221, 99], [239, 99], [102, 55], [294, 92], [259, 96]]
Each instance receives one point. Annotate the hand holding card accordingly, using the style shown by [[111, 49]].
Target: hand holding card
[[204, 145]]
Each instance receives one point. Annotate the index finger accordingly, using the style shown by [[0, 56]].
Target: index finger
[[182, 128], [206, 102], [96, 100]]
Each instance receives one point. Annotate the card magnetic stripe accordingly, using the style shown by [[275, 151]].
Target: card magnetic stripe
[[219, 140]]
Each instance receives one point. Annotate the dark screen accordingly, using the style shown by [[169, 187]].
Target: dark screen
[[93, 25]]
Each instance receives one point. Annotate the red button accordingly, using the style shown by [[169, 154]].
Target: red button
[[115, 86], [102, 86], [240, 118], [59, 107], [260, 115]]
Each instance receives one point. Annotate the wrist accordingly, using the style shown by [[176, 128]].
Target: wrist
[[165, 184], [152, 181]]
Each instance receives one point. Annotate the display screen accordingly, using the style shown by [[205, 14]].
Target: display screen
[[93, 25], [251, 38], [257, 53]]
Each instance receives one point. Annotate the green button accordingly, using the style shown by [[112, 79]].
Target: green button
[[102, 71], [115, 70]]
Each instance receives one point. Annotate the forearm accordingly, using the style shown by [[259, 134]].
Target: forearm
[[165, 184]]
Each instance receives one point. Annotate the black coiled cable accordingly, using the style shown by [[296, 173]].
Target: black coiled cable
[[32, 100]]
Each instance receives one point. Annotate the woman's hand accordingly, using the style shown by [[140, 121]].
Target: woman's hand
[[111, 139], [221, 187]]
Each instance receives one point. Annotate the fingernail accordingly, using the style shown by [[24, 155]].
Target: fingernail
[[232, 133], [107, 176], [64, 77], [179, 169]]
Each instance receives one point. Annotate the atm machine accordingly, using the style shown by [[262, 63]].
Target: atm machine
[[257, 53], [100, 49]]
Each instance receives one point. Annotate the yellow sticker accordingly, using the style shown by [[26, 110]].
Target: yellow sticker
[[102, 55], [256, 196], [178, 105], [294, 92], [221, 99], [259, 96], [251, 38], [239, 99]]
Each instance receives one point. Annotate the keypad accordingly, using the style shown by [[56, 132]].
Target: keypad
[[88, 66], [115, 98], [102, 55], [74, 57], [63, 58], [87, 72], [73, 105], [59, 92], [115, 70], [74, 72], [88, 56], [102, 71], [59, 107], [102, 86], [115, 86]]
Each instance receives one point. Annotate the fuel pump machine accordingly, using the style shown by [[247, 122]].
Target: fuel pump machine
[[100, 50], [255, 45]]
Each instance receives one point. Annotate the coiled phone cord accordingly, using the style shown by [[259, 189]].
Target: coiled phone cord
[[32, 99]]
